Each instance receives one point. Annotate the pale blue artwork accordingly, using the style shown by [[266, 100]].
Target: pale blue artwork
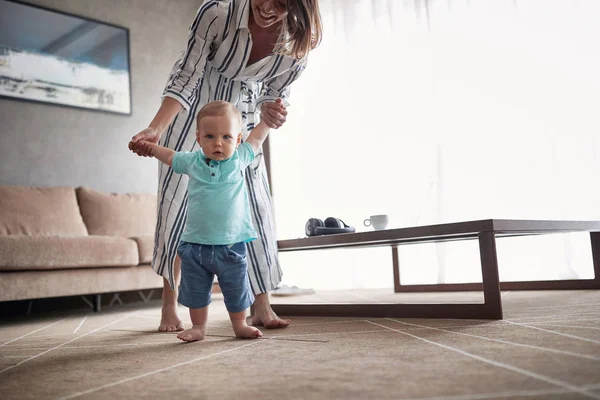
[[49, 56]]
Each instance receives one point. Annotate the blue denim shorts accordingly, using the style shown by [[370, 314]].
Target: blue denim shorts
[[199, 265]]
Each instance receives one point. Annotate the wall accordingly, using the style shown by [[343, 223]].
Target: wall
[[49, 145]]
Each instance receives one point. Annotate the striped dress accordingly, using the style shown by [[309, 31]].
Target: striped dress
[[214, 67]]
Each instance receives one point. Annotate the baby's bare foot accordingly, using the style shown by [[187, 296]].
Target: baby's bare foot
[[196, 332], [246, 332]]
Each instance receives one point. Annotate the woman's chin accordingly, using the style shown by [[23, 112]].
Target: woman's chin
[[265, 24], [262, 21]]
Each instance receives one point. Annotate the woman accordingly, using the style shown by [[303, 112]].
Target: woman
[[247, 52]]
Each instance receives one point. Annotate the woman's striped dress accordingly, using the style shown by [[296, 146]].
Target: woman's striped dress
[[213, 67]]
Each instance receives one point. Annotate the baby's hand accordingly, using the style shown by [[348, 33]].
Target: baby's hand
[[147, 135], [143, 148], [274, 114]]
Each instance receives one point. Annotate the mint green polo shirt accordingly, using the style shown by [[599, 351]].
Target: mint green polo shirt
[[218, 207]]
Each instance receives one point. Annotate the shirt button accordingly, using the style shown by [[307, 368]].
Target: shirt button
[[213, 174], [212, 166]]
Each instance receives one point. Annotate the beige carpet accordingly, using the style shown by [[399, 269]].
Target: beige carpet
[[548, 347]]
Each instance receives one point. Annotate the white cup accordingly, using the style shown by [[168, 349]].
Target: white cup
[[378, 222]]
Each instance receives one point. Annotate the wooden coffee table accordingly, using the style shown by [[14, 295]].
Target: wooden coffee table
[[485, 231]]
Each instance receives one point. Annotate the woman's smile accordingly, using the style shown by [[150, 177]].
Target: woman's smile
[[267, 17]]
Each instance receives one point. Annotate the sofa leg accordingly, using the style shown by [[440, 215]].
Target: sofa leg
[[97, 302], [146, 299], [116, 299]]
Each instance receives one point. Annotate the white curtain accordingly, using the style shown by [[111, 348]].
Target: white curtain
[[444, 111]]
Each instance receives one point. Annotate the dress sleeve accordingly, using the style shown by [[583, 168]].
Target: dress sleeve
[[279, 86], [189, 69]]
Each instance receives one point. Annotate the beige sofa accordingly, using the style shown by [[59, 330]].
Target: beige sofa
[[65, 242]]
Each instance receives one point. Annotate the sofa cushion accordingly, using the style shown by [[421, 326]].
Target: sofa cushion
[[145, 248], [22, 285], [113, 214], [40, 211], [18, 253]]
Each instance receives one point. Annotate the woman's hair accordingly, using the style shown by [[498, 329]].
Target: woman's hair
[[302, 28], [217, 108]]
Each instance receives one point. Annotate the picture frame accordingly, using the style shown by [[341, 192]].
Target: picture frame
[[54, 57]]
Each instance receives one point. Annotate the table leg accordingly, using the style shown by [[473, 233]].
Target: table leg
[[595, 237], [396, 269], [489, 272]]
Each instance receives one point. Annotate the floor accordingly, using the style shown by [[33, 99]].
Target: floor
[[547, 347]]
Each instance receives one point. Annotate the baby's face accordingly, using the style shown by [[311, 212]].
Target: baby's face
[[218, 136]]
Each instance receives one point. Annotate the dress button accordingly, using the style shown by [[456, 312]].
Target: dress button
[[213, 174]]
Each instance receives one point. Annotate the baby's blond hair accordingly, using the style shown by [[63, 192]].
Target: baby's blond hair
[[218, 108]]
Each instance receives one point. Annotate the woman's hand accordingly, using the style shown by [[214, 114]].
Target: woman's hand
[[273, 114], [138, 144]]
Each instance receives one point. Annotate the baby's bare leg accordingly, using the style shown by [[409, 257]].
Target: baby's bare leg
[[199, 317], [241, 329]]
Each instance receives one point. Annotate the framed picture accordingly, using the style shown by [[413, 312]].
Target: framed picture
[[54, 57]]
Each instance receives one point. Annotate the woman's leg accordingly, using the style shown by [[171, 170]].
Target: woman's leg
[[263, 261], [171, 208], [170, 321], [264, 314]]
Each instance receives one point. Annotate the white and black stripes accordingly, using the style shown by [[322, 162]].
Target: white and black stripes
[[214, 67], [258, 212], [172, 197], [196, 53], [228, 18]]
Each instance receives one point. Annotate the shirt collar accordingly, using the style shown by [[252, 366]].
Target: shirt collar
[[207, 160], [245, 15]]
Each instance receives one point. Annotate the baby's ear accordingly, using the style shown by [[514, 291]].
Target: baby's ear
[[239, 139]]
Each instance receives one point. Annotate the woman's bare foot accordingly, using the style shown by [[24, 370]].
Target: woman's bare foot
[[170, 321], [244, 331], [269, 320], [195, 333], [264, 314]]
